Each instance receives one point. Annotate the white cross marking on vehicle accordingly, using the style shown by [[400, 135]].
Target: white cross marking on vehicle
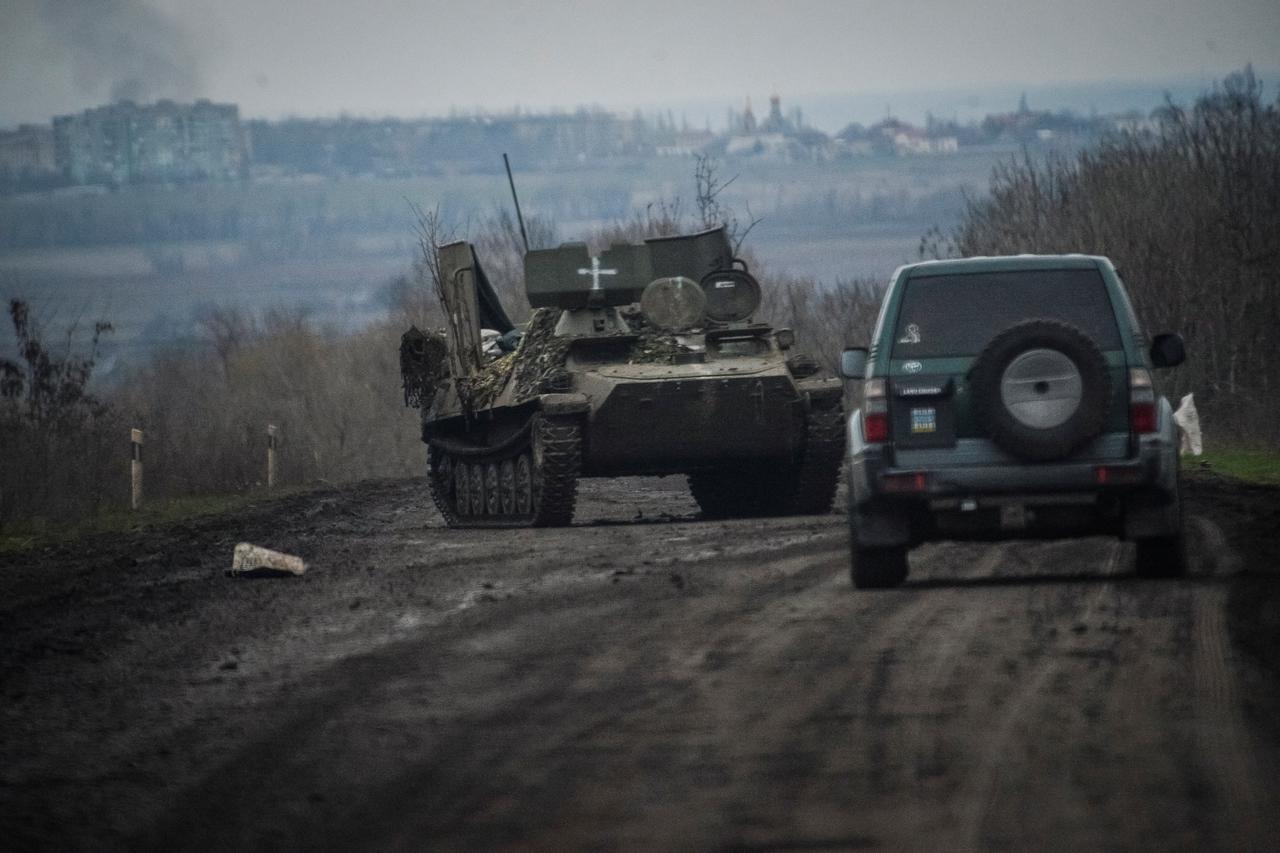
[[595, 272]]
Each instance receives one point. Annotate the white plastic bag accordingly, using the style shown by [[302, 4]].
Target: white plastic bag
[[1188, 421]]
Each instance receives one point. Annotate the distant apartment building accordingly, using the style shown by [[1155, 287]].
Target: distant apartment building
[[26, 154], [166, 141]]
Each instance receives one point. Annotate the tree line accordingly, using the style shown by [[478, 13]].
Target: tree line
[[1190, 213]]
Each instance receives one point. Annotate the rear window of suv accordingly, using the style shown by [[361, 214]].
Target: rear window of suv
[[957, 315]]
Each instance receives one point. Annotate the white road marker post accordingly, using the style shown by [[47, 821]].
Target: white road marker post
[[135, 470], [271, 456]]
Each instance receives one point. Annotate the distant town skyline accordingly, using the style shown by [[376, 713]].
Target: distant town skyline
[[412, 58]]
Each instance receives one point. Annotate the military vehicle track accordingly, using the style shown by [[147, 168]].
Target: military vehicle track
[[819, 469], [532, 483]]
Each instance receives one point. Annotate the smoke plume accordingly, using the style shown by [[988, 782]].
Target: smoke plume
[[125, 49]]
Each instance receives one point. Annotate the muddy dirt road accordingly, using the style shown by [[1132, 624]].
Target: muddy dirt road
[[644, 680]]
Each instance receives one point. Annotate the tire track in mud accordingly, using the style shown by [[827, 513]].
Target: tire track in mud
[[1127, 746], [795, 697], [979, 791], [1220, 724], [517, 688], [644, 680], [657, 718], [1233, 757]]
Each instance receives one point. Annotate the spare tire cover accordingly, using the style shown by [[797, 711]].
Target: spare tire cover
[[1041, 389]]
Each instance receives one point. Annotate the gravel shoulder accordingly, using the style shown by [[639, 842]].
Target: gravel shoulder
[[642, 680]]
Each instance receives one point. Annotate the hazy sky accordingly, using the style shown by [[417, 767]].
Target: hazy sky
[[416, 57]]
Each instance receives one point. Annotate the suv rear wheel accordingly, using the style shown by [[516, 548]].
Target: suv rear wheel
[[1164, 556], [878, 568]]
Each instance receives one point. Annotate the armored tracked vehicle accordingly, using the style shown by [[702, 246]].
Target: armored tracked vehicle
[[647, 360]]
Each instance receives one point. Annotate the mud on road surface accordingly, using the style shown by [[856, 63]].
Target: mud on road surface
[[643, 680]]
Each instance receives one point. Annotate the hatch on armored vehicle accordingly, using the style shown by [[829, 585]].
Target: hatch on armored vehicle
[[643, 360]]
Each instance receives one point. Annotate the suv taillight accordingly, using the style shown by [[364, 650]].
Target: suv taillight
[[1142, 401], [875, 412]]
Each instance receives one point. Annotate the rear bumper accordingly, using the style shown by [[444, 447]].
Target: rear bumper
[[1116, 485], [871, 477]]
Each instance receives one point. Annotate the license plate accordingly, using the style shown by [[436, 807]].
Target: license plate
[[1013, 516], [924, 420]]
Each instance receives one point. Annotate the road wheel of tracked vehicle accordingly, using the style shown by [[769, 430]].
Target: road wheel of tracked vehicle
[[461, 488], [1041, 389], [878, 568], [524, 484], [538, 487], [492, 501], [507, 487], [475, 488], [443, 471]]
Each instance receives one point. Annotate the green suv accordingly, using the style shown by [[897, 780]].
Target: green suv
[[1010, 397]]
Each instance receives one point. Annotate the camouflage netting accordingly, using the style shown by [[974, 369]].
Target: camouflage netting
[[480, 390], [538, 364], [424, 362], [541, 355], [655, 345]]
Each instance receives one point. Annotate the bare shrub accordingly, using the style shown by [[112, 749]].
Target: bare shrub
[[708, 187], [55, 437], [335, 398], [660, 219], [498, 244]]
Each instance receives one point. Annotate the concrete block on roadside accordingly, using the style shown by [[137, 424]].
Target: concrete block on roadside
[[253, 561]]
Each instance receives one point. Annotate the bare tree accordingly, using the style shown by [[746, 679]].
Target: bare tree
[[228, 330], [53, 430], [708, 188]]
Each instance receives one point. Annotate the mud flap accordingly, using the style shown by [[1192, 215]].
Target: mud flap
[[878, 529]]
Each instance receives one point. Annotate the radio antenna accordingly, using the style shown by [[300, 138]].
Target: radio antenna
[[519, 218]]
